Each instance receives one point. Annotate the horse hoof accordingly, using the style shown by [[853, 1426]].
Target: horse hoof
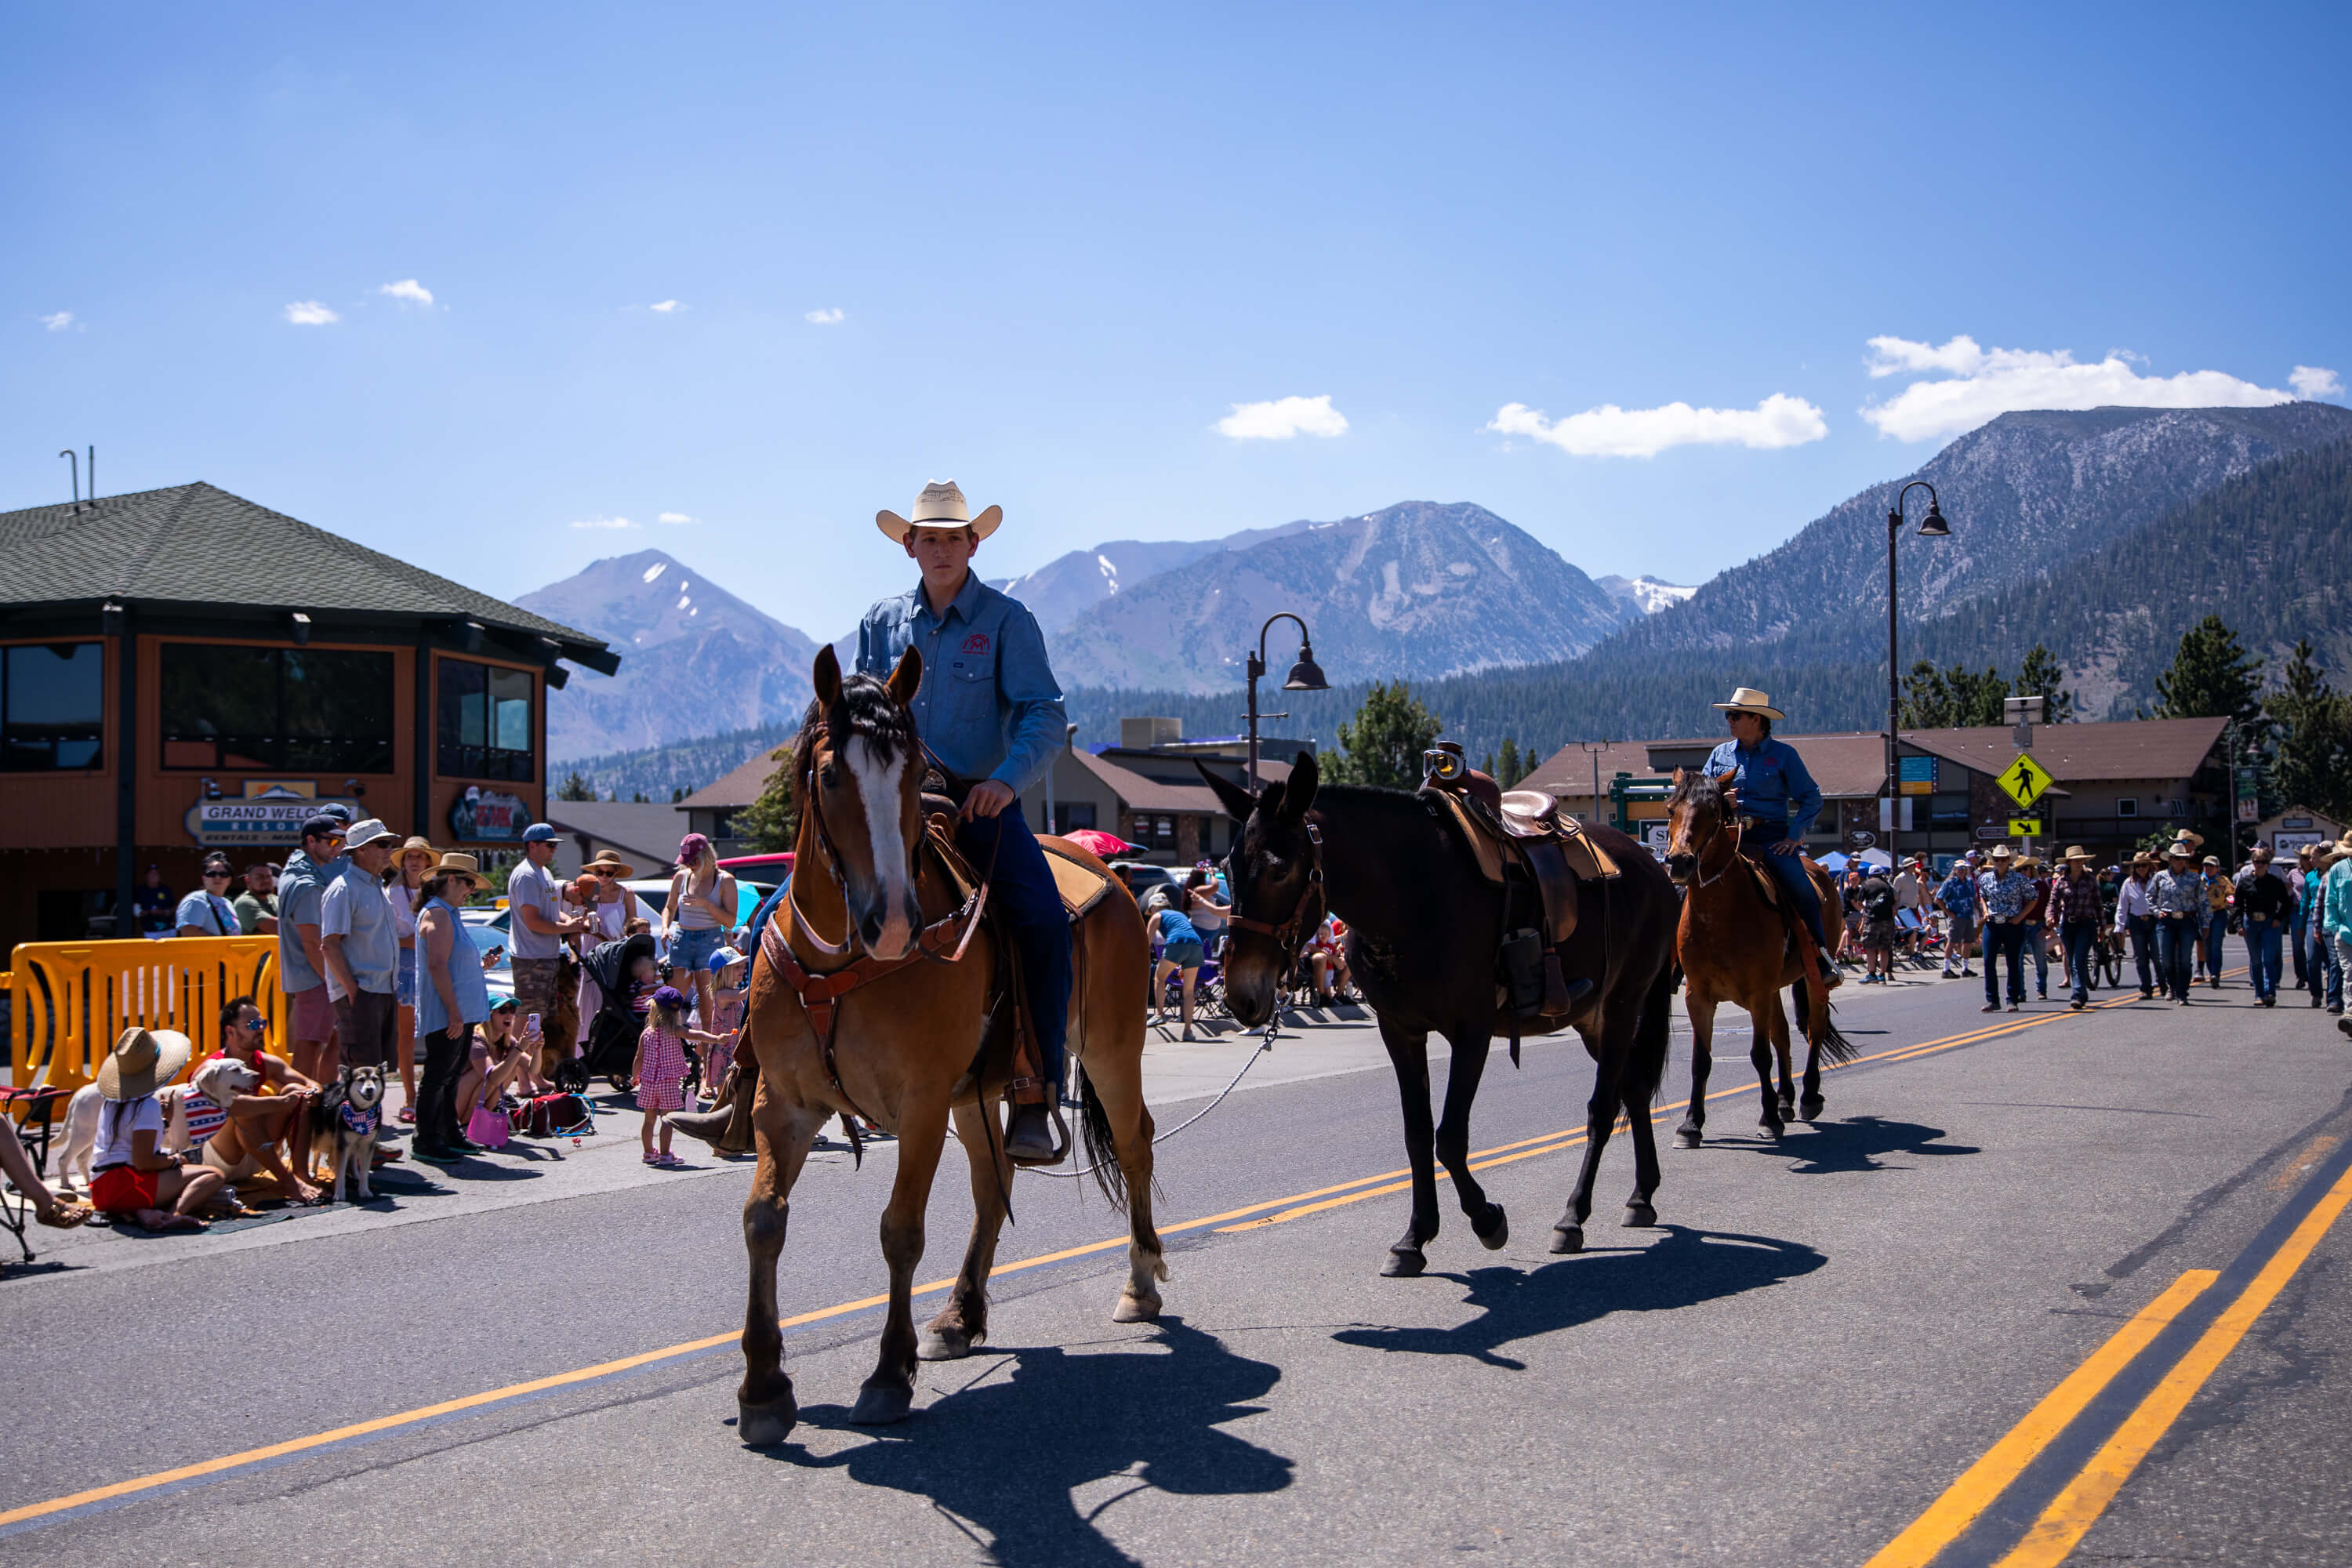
[[1404, 1263], [1638, 1213], [951, 1343], [1770, 1129], [1811, 1108], [1496, 1231], [1135, 1309], [1567, 1238], [1688, 1138], [880, 1404], [765, 1426]]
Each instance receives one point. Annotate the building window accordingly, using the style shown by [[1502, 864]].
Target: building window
[[1163, 829], [52, 706], [302, 709], [1073, 814], [2127, 805], [485, 729]]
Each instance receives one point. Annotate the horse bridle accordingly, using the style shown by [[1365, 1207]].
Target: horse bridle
[[1289, 934]]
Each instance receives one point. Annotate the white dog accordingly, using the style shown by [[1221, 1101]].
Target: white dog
[[219, 1080]]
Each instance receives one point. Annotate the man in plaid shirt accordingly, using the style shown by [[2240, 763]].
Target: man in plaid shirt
[[2075, 902]]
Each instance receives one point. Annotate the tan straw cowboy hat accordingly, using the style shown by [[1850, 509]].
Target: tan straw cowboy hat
[[454, 864], [2002, 852], [2077, 852], [142, 1060], [415, 846], [940, 505], [607, 861], [1748, 700]]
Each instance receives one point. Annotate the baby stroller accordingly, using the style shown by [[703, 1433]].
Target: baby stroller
[[611, 1047]]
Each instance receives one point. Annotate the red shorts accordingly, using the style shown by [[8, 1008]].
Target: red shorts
[[313, 1016], [121, 1189]]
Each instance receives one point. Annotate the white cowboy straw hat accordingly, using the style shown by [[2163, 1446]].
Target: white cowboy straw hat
[[142, 1059], [1748, 700], [940, 504], [2002, 852]]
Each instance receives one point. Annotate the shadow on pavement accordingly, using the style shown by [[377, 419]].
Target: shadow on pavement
[[1855, 1143], [1006, 1456], [1687, 1267]]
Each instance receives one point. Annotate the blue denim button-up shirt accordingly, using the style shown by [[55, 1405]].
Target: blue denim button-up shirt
[[1958, 892], [1773, 782], [989, 706]]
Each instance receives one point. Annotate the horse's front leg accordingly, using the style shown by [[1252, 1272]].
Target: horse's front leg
[[1467, 1067], [1693, 1131], [1770, 1032], [765, 1410], [1816, 1030], [1409, 1055], [963, 1321], [1635, 1098], [887, 1395], [1599, 1120], [1780, 1049]]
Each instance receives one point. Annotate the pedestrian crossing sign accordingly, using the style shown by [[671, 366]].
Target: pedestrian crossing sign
[[2023, 781]]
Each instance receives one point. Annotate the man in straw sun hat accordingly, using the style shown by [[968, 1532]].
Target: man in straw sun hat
[[2005, 893], [2076, 905], [990, 709], [2177, 893], [1778, 803], [132, 1174]]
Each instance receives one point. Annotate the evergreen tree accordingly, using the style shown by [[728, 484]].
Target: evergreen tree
[[2314, 749], [2039, 677], [1383, 746], [639, 799], [2210, 677], [1950, 699], [767, 825], [574, 787], [1513, 768]]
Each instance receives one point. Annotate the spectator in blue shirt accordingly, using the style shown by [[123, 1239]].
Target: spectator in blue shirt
[[1957, 895], [1778, 801], [207, 911]]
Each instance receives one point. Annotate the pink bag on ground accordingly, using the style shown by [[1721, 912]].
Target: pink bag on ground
[[487, 1127]]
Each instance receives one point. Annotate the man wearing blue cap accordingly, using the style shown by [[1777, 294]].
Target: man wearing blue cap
[[536, 924]]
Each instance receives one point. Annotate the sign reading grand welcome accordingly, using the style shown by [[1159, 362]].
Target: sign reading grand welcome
[[271, 811], [482, 814]]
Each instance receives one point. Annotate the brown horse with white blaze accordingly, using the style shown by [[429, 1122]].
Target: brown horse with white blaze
[[1733, 947], [896, 966]]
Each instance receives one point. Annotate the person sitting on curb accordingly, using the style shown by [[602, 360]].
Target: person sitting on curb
[[57, 1213], [132, 1176], [261, 1124]]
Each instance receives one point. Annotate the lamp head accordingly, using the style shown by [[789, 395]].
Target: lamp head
[[1305, 674], [1934, 526]]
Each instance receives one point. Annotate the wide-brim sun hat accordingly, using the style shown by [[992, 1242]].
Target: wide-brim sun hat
[[2002, 852], [415, 846], [456, 863], [607, 861], [2077, 852], [942, 505], [141, 1062], [361, 834], [1748, 700]]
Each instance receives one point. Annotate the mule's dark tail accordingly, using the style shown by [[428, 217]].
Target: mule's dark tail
[[1648, 1068], [1835, 1047], [1101, 1144]]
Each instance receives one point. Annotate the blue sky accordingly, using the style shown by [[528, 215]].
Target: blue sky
[[1064, 246]]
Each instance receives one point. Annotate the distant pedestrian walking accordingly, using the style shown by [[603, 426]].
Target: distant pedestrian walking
[[2077, 900], [2005, 893], [2266, 901], [2178, 895], [2136, 919]]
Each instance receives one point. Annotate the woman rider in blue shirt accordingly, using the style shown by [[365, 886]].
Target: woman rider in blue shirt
[[1778, 803]]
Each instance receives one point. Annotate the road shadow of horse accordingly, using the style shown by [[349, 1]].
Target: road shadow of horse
[[1687, 1267], [1007, 1455], [1852, 1144]]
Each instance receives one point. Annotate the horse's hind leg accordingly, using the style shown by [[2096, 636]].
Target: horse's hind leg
[[1809, 1106], [1599, 1120], [890, 1393], [1770, 1035], [1117, 1076], [1409, 1055], [1638, 1208], [765, 1410], [963, 1321], [1467, 1067], [1780, 1043], [1693, 1131]]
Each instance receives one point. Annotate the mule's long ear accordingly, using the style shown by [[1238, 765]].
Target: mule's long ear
[[1298, 795], [1238, 802], [906, 677], [827, 678]]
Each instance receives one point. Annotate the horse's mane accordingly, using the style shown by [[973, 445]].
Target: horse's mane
[[865, 709], [1700, 788]]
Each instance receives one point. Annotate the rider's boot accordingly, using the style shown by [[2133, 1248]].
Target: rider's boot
[[1830, 978], [1029, 1139]]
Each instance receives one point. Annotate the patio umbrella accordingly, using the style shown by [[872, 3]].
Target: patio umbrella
[[1834, 860], [1109, 846]]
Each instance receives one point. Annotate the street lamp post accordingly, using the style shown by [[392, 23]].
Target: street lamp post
[[1932, 527], [1305, 674], [1593, 748]]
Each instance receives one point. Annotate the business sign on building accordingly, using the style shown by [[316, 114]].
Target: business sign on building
[[270, 811], [487, 814], [1915, 775]]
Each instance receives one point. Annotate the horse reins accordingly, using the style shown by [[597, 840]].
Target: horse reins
[[1288, 934]]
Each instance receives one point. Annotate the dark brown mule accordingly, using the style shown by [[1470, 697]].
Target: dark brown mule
[[1733, 948], [903, 1040]]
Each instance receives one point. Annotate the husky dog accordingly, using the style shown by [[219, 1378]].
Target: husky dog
[[218, 1078], [343, 1127]]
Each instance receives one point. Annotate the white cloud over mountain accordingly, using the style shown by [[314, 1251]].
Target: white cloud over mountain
[[310, 313], [1609, 431], [824, 318], [59, 321], [408, 290], [2312, 383], [1983, 384], [666, 307], [603, 522], [674, 517], [1282, 418]]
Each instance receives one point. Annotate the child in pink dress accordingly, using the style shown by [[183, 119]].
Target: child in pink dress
[[730, 976], [660, 1070]]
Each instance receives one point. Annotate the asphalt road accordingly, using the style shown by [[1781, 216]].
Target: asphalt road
[[1815, 1341]]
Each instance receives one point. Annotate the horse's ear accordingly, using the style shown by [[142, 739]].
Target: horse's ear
[[1298, 795], [1238, 802], [906, 677], [827, 678]]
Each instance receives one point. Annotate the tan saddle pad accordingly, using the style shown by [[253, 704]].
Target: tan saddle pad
[[1586, 859], [1078, 875]]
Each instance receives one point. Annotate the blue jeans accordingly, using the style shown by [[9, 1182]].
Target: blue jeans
[[2217, 932], [1022, 889], [2143, 939], [2079, 937], [2176, 954], [2326, 973], [1789, 871], [2039, 951], [2004, 940], [2262, 940], [2297, 945]]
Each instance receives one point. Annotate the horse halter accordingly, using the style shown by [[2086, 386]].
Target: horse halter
[[1288, 935]]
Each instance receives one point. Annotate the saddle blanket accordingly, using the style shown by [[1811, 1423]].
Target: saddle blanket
[[1078, 875], [1586, 859]]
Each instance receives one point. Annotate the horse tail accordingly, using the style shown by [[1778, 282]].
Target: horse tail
[[1833, 1044], [1646, 1068], [1101, 1142]]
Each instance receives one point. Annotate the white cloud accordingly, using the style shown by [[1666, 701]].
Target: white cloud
[[310, 313], [1609, 431], [673, 517], [824, 318], [1987, 383], [59, 322], [410, 289], [2309, 381], [1282, 418], [666, 307], [603, 522]]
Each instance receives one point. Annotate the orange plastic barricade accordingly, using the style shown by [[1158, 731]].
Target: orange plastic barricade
[[69, 1001]]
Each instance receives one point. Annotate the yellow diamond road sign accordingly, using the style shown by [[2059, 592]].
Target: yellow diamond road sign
[[2023, 781]]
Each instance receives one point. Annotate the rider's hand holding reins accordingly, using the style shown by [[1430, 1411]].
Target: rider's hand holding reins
[[988, 797]]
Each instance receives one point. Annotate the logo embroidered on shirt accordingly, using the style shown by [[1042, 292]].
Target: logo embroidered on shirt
[[976, 643]]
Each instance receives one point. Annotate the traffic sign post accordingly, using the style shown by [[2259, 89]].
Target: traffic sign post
[[2024, 780], [2026, 827]]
